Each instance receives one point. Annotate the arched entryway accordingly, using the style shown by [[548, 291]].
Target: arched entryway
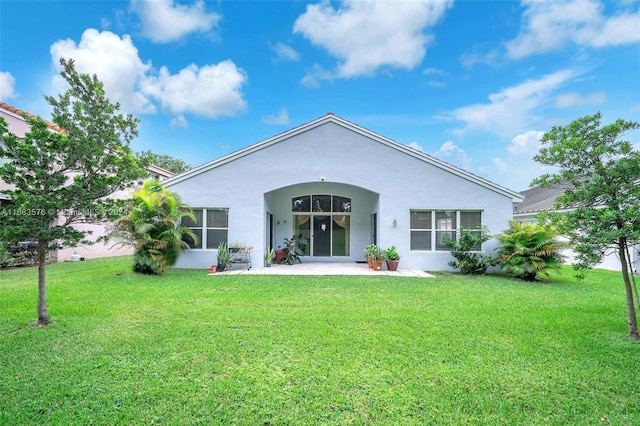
[[334, 218]]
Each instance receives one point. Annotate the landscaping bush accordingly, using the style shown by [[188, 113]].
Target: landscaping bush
[[469, 260], [528, 250], [154, 228]]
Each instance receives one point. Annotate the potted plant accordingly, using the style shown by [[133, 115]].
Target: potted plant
[[281, 254], [377, 257], [368, 254], [392, 257], [268, 256], [295, 247], [224, 256]]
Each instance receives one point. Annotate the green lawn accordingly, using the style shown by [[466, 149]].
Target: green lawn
[[188, 348]]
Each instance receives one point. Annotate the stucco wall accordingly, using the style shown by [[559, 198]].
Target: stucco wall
[[341, 156]]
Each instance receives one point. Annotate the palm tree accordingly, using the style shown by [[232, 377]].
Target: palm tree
[[528, 250], [154, 228]]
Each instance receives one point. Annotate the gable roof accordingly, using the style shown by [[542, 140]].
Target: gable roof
[[331, 118], [538, 199], [18, 113]]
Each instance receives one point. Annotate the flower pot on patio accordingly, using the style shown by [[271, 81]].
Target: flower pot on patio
[[280, 255], [212, 269], [377, 264], [392, 265]]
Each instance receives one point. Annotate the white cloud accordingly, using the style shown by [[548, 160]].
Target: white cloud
[[416, 146], [526, 143], [437, 84], [282, 117], [511, 110], [500, 165], [367, 35], [550, 25], [164, 21], [209, 90], [7, 86], [179, 122], [284, 52], [469, 60], [433, 71], [315, 75], [453, 154], [570, 99], [116, 62]]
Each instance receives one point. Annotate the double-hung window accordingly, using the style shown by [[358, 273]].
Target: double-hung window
[[211, 227], [429, 228]]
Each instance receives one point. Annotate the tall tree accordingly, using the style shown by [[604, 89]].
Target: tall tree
[[167, 162], [61, 179], [601, 174]]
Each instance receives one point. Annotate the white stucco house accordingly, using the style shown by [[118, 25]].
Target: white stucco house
[[342, 187]]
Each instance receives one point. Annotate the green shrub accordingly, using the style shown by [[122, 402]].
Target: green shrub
[[528, 250], [154, 227], [469, 260]]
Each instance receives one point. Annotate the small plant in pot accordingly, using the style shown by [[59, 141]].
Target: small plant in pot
[[392, 257], [269, 255], [369, 252], [377, 257], [224, 256]]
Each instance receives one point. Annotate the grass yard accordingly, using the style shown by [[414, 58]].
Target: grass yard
[[188, 348]]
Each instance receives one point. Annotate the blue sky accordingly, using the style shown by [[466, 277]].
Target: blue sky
[[475, 83]]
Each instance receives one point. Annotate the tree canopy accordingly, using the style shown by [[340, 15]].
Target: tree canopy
[[64, 178], [601, 203], [167, 162]]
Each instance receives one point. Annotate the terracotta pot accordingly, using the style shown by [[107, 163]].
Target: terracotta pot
[[212, 269], [370, 262], [280, 255], [377, 265], [392, 265]]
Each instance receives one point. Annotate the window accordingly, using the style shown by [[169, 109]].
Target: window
[[420, 230], [430, 227], [320, 204], [446, 226], [211, 227]]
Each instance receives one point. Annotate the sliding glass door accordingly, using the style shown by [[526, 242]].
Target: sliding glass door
[[325, 221]]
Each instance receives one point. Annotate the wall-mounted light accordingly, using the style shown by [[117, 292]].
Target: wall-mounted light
[[323, 226], [322, 178], [395, 222]]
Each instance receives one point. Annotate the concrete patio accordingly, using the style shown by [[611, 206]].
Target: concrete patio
[[324, 268]]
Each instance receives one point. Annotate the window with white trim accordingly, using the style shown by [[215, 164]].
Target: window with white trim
[[211, 227], [430, 227]]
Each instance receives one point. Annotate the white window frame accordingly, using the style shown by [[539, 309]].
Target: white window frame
[[435, 229], [202, 243]]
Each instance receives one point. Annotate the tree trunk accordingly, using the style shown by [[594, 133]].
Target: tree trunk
[[43, 316], [631, 311]]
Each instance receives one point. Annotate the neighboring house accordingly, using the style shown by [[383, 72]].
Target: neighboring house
[[538, 200], [19, 127], [342, 187]]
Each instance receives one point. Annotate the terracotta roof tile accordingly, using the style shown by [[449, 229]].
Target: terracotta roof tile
[[19, 112]]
